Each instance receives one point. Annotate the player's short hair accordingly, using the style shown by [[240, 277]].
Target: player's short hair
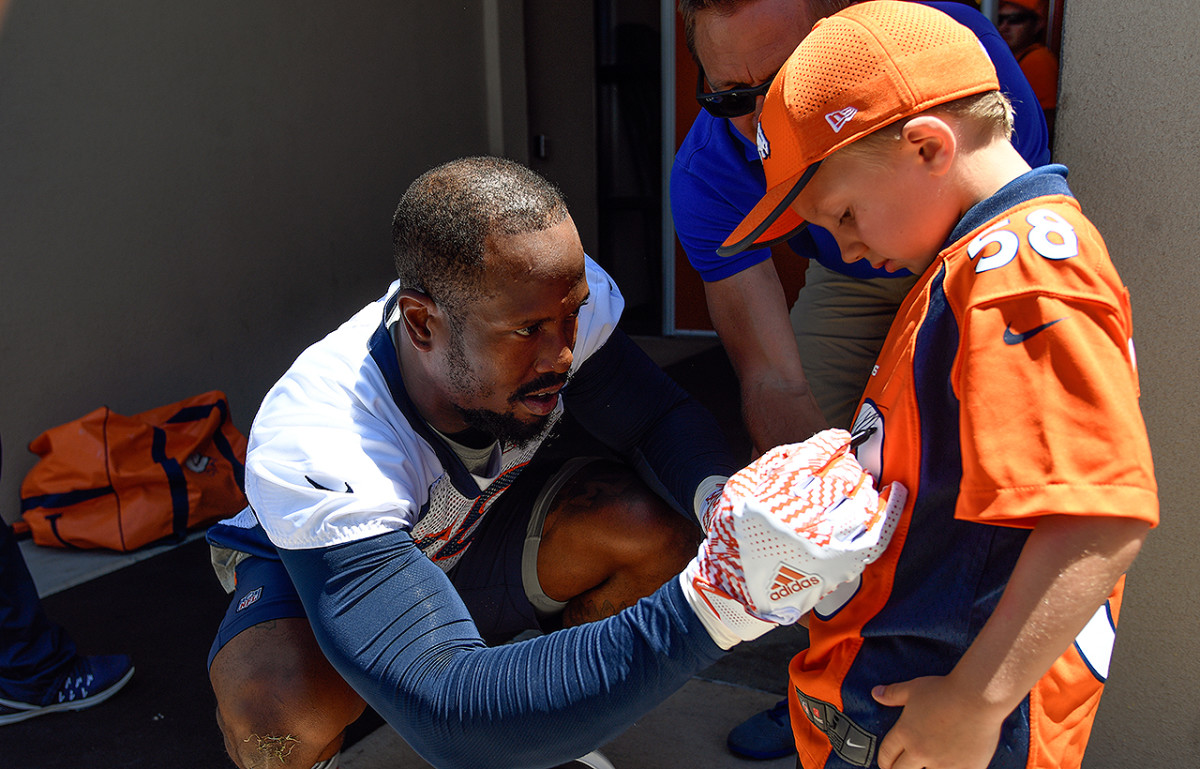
[[689, 8], [441, 226], [981, 117]]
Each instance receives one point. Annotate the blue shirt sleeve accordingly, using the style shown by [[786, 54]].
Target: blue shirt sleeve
[[626, 401], [391, 624], [715, 180]]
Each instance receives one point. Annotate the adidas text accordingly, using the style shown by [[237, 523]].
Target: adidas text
[[789, 581]]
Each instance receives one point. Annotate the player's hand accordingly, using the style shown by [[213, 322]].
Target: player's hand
[[799, 521], [941, 727]]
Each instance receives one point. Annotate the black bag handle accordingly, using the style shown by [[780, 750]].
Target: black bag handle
[[176, 480]]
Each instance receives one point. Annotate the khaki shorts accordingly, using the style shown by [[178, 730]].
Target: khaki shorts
[[840, 324]]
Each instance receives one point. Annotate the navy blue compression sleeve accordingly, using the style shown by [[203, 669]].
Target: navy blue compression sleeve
[[391, 624], [623, 398]]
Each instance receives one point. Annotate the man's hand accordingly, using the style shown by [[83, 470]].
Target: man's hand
[[788, 529], [939, 727]]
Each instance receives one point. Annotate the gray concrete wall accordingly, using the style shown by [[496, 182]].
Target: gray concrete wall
[[190, 193], [1129, 129]]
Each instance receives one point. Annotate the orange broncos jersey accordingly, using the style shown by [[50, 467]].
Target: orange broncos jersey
[[1006, 390]]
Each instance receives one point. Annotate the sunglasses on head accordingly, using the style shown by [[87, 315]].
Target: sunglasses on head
[[732, 103], [1014, 19]]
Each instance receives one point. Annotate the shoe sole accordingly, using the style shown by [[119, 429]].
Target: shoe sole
[[84, 704], [593, 760]]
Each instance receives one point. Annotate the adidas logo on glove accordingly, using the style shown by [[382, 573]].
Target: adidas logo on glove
[[807, 503], [789, 580]]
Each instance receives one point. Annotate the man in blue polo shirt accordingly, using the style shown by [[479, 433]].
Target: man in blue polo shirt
[[802, 370]]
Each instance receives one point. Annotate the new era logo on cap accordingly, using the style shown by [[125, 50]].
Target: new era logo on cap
[[839, 119], [764, 146]]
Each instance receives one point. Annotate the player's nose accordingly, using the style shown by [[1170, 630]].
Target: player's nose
[[556, 351]]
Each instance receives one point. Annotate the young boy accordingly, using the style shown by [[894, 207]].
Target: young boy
[[1005, 400]]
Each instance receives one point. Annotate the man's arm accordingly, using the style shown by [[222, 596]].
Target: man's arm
[[390, 622], [750, 315], [1066, 570], [715, 181]]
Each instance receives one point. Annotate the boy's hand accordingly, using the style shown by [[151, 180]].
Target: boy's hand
[[939, 728], [788, 529]]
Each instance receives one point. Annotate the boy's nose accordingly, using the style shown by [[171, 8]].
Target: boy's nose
[[852, 251]]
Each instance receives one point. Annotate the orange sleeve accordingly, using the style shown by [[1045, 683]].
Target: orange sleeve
[[1048, 389]]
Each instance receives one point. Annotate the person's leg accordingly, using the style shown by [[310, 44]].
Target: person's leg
[[570, 541], [626, 541], [36, 652], [40, 669], [607, 541], [576, 537], [840, 324], [279, 701]]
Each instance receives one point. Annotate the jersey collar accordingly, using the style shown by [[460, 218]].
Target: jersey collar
[[383, 352], [1035, 183]]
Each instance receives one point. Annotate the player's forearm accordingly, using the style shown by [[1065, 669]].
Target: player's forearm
[[394, 628], [1066, 571]]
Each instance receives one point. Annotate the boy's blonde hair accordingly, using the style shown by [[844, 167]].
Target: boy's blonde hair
[[982, 118]]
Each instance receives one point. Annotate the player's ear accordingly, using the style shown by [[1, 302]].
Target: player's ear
[[932, 141], [417, 312]]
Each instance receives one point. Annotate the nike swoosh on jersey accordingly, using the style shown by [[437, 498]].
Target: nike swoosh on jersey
[[316, 485], [1012, 337]]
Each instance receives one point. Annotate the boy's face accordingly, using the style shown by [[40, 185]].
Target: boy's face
[[887, 209]]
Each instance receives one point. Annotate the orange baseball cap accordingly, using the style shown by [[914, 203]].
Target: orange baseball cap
[[1036, 6], [857, 71]]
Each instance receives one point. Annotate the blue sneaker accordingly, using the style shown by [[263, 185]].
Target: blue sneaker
[[89, 682], [764, 735]]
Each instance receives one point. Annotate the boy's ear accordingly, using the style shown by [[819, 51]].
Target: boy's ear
[[933, 141], [416, 313]]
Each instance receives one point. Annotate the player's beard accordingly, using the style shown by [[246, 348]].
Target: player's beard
[[504, 426]]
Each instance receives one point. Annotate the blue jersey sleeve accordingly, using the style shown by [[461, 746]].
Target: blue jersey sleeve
[[391, 624], [624, 399]]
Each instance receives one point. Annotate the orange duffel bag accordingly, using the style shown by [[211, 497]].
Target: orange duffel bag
[[117, 482]]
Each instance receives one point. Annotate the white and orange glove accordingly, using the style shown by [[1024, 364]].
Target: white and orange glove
[[799, 521]]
